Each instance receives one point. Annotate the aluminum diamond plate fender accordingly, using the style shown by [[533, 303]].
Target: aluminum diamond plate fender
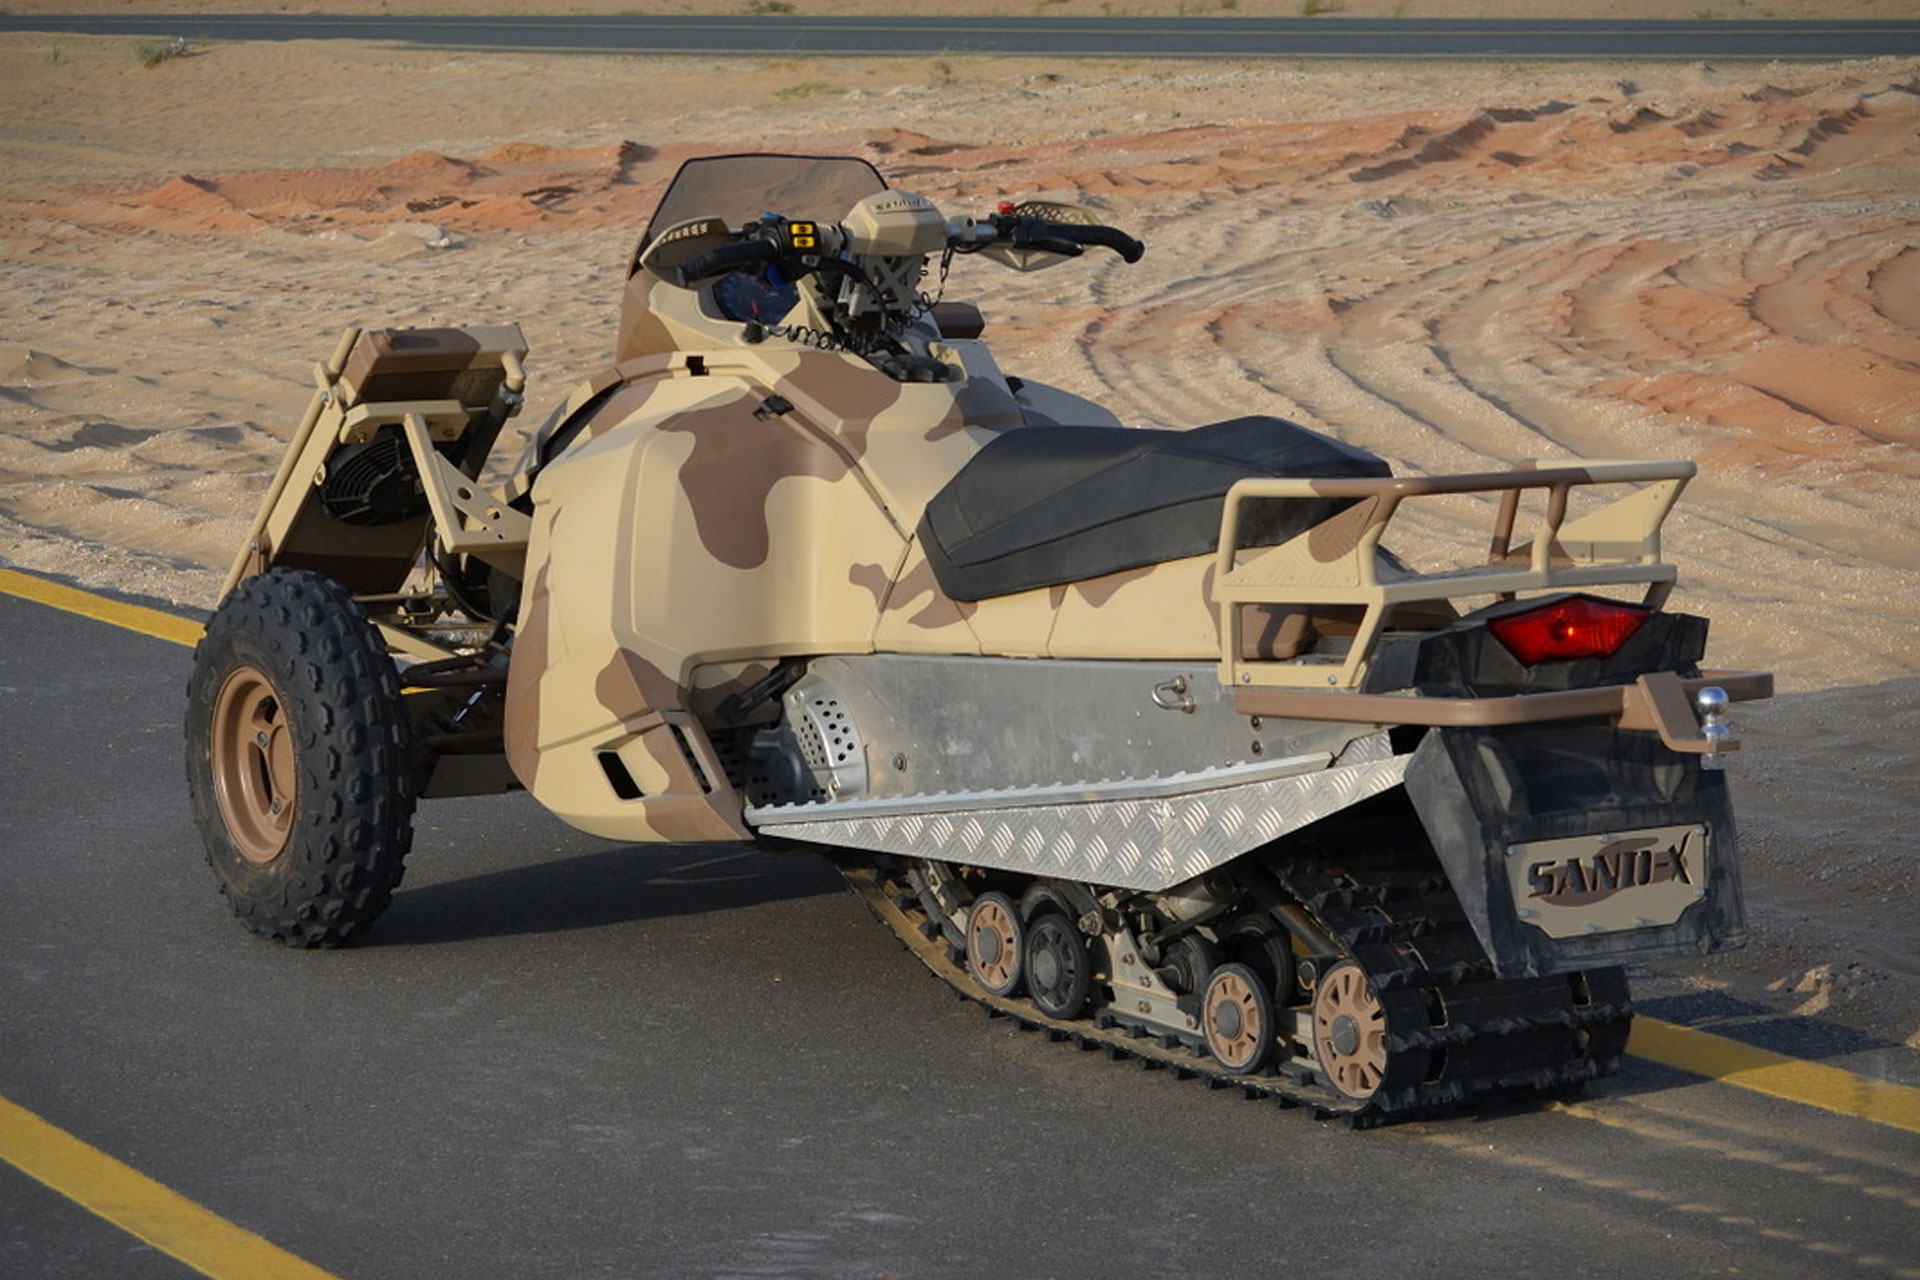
[[1142, 842]]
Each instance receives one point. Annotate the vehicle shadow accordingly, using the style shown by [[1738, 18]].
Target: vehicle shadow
[[611, 886]]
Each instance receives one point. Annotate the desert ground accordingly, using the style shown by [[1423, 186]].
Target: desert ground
[[1454, 266]]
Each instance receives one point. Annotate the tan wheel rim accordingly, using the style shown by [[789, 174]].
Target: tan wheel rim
[[253, 771], [993, 944], [1350, 1031], [1235, 1027]]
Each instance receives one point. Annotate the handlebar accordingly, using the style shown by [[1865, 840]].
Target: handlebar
[[1022, 231], [1069, 239]]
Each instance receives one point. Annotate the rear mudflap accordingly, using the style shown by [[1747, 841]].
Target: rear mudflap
[[1576, 845]]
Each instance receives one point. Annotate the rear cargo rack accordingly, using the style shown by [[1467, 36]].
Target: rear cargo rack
[[1337, 564], [445, 393]]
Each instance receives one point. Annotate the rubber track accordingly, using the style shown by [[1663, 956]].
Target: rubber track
[[1456, 1033], [1373, 918]]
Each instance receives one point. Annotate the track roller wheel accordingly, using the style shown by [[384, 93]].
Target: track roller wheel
[[995, 944], [1350, 1031], [1059, 967], [1237, 1015]]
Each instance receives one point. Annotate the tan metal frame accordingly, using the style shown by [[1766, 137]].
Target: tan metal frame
[[325, 376], [466, 518], [1660, 701], [1336, 562]]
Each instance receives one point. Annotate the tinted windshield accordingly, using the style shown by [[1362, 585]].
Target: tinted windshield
[[737, 189]]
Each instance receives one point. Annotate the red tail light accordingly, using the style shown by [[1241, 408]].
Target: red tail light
[[1576, 627]]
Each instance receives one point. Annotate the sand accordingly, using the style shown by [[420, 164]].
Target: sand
[[1455, 266]]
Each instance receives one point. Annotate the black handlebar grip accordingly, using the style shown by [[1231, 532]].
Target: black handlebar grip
[[729, 257], [1065, 246], [1129, 249]]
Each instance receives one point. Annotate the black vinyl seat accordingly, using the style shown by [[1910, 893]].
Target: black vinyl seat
[[1040, 506]]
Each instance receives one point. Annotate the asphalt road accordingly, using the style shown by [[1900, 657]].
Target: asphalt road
[[560, 1057], [1229, 38]]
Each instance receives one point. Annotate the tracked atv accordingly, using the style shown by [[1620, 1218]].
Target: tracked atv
[[1144, 737]]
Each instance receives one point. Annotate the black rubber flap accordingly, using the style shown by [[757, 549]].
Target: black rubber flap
[[1481, 791], [1041, 506]]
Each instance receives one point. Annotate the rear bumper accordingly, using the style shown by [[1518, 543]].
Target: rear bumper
[[1647, 703]]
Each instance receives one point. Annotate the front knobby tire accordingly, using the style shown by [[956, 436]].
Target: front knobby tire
[[299, 759]]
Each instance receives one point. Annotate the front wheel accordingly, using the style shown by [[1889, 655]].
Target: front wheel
[[298, 759]]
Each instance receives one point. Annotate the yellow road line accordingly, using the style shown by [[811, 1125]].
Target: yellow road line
[[136, 1203], [148, 622], [1775, 1074]]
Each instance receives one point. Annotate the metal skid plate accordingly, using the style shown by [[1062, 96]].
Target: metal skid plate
[[925, 724], [1180, 827]]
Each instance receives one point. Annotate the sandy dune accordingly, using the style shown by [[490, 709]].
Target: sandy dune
[[1455, 267]]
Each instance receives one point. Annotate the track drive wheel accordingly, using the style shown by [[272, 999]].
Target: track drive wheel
[[995, 944], [1265, 948], [1350, 1031], [1189, 961], [1059, 967], [298, 759], [1236, 1013]]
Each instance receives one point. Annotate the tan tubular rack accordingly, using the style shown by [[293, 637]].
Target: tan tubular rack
[[1336, 564], [443, 388]]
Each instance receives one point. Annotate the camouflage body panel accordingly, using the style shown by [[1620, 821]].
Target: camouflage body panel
[[721, 507], [917, 617], [778, 486], [789, 550]]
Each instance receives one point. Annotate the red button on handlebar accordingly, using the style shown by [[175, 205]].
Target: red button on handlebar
[[1006, 206]]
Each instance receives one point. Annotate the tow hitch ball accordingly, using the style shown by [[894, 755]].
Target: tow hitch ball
[[1711, 703]]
